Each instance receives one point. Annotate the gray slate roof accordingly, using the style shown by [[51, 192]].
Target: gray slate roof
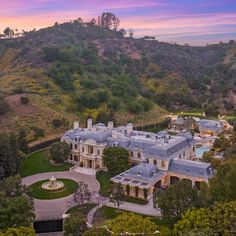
[[191, 168], [142, 172]]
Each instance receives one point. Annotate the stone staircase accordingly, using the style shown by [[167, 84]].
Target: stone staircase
[[83, 170]]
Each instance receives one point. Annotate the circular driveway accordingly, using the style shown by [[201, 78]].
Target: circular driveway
[[48, 209]]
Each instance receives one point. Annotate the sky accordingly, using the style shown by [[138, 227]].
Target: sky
[[196, 22]]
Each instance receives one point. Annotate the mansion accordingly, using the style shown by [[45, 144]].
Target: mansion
[[158, 159]]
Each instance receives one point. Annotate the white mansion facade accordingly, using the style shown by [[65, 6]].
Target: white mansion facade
[[158, 158]]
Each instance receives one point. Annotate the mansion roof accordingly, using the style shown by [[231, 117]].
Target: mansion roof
[[161, 145]]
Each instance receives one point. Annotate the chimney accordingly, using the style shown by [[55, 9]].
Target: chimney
[[114, 134], [76, 124], [89, 123], [110, 125], [129, 128]]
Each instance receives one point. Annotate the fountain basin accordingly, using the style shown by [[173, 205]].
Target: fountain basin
[[53, 185]]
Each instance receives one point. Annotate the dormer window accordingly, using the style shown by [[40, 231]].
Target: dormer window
[[139, 155], [139, 174], [163, 164], [76, 139]]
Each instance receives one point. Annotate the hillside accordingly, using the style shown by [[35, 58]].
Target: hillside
[[76, 70]]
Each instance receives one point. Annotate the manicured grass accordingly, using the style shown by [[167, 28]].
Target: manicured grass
[[37, 192], [103, 178], [81, 210], [39, 162]]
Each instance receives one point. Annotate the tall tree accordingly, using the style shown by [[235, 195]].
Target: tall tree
[[176, 200], [223, 184], [22, 140], [219, 220], [74, 225], [60, 152], [9, 155], [116, 159], [82, 194], [16, 207], [8, 32], [116, 194], [109, 21]]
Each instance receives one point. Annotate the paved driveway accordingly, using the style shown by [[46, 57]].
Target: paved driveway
[[47, 209]]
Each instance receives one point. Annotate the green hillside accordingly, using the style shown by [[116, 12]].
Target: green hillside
[[76, 70]]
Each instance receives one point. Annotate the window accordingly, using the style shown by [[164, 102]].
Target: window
[[184, 154], [76, 146], [155, 162], [82, 149], [98, 152], [131, 154], [139, 154], [75, 139], [179, 156], [75, 158], [70, 156], [163, 164], [147, 160], [90, 148], [71, 146], [194, 148]]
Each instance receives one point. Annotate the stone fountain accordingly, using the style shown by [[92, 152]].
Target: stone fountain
[[53, 184]]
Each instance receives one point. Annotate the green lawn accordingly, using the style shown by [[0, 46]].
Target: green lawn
[[81, 210], [103, 178], [37, 192], [39, 162]]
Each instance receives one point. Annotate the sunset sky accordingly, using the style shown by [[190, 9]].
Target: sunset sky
[[196, 22]]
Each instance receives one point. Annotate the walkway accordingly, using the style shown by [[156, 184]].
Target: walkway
[[147, 209], [46, 209]]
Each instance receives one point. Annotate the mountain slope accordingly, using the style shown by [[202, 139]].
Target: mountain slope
[[80, 70]]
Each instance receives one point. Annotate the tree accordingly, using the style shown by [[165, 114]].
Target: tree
[[116, 159], [223, 185], [109, 21], [9, 154], [114, 104], [221, 143], [57, 123], [24, 100], [4, 107], [116, 194], [176, 200], [60, 152], [22, 143], [217, 220], [132, 223], [74, 225], [21, 231], [8, 32], [82, 194], [16, 207], [97, 232]]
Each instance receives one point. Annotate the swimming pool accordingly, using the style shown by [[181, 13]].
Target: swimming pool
[[200, 150]]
